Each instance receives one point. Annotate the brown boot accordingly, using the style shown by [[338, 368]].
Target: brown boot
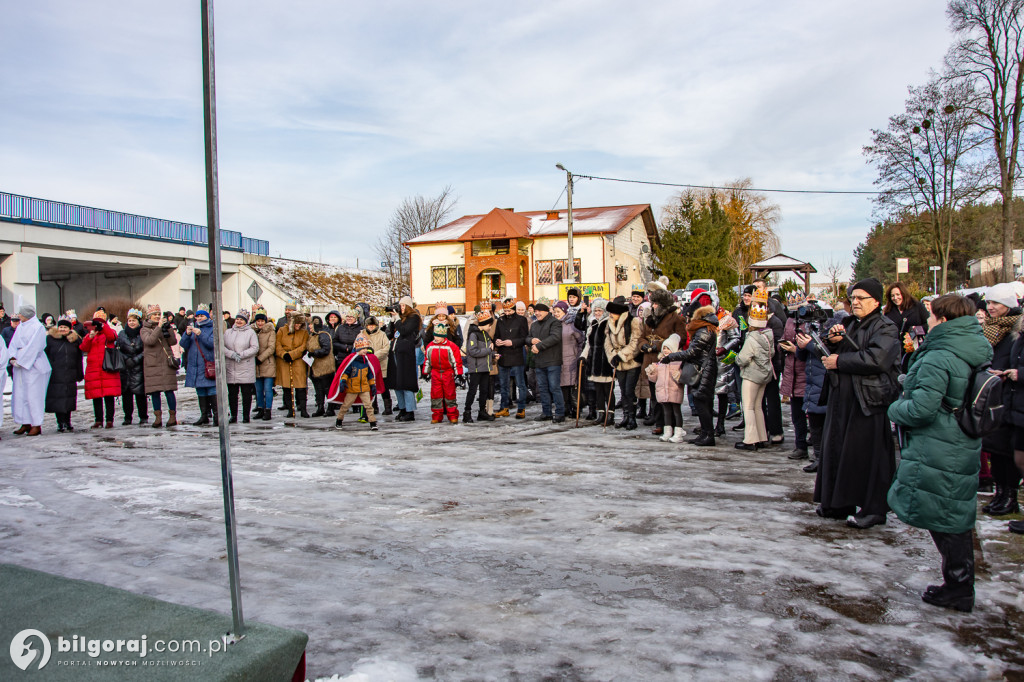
[[35, 431], [157, 419], [23, 430], [172, 418]]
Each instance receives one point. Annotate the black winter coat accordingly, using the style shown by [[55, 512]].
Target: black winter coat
[[1013, 391], [597, 359], [915, 316], [1000, 441], [701, 352], [131, 349], [402, 372], [870, 354], [549, 333], [512, 328], [344, 336], [66, 362]]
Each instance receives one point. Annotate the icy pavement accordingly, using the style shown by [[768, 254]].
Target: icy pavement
[[507, 551]]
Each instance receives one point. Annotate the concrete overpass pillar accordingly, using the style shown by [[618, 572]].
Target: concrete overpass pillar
[[19, 276]]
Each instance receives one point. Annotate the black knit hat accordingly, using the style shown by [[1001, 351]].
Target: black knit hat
[[872, 287], [542, 306], [749, 289], [259, 316]]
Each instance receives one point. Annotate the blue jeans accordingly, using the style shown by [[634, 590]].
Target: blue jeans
[[172, 404], [206, 392], [519, 373], [265, 392], [406, 400], [550, 390]]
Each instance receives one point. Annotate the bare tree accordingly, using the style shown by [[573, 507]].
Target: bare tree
[[988, 56], [833, 268], [928, 161], [413, 217], [752, 218]]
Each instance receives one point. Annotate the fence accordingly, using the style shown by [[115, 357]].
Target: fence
[[59, 214]]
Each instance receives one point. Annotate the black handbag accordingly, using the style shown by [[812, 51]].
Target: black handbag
[[113, 361], [689, 374]]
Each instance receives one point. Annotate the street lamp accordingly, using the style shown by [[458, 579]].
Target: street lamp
[[572, 263]]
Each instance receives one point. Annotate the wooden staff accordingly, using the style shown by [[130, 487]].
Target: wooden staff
[[611, 397], [579, 385]]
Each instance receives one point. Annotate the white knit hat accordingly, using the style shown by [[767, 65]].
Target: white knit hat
[[1002, 293]]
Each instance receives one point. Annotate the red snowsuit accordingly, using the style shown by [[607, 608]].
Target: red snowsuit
[[444, 361]]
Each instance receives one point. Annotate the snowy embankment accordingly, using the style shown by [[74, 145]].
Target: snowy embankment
[[513, 550]]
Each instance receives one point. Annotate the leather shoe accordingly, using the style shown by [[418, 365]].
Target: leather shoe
[[798, 454], [829, 513], [558, 420], [866, 521], [812, 468], [657, 431], [542, 418], [1016, 527], [35, 431], [746, 446], [739, 427], [23, 430]]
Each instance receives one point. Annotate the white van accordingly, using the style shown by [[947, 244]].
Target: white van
[[708, 285]]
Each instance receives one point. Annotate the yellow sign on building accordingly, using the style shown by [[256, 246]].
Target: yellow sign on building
[[593, 290]]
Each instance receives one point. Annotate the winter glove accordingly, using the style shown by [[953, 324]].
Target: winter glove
[[237, 357], [460, 381], [664, 360], [616, 360], [287, 357], [647, 348]]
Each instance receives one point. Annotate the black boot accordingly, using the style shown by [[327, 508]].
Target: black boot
[[1009, 504], [289, 404], [625, 419], [957, 590], [300, 402], [631, 419], [641, 412], [204, 411], [257, 414], [467, 415], [707, 439], [213, 409], [997, 499], [387, 402]]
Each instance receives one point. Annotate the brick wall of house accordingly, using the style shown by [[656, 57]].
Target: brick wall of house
[[507, 264]]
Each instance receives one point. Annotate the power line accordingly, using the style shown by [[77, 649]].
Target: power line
[[734, 189]]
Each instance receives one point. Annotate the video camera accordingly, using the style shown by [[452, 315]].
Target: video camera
[[811, 319]]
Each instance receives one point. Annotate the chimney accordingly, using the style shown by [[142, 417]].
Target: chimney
[[552, 215]]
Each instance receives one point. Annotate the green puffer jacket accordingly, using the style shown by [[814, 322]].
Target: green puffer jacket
[[937, 481]]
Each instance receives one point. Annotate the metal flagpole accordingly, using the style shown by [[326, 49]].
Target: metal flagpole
[[213, 242]]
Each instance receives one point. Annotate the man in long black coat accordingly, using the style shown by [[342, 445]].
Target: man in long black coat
[[858, 456]]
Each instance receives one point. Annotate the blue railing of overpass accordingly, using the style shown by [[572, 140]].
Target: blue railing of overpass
[[73, 216]]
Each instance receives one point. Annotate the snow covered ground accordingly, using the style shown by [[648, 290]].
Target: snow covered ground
[[507, 551]]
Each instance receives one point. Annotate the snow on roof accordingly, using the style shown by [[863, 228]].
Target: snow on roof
[[600, 219], [321, 284], [779, 260]]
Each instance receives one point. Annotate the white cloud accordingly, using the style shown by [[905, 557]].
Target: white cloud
[[329, 113]]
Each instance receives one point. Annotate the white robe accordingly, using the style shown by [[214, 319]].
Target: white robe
[[3, 377], [32, 373]]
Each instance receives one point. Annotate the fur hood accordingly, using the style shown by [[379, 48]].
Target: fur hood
[[72, 337], [703, 311]]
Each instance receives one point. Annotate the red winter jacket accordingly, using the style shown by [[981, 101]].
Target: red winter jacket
[[99, 384]]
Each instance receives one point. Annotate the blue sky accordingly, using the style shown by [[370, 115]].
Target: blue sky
[[330, 113]]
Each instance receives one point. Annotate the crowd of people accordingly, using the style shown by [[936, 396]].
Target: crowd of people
[[879, 372]]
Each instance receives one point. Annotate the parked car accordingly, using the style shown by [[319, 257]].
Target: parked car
[[708, 285]]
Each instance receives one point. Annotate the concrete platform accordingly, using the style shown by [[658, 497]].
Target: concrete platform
[[82, 619]]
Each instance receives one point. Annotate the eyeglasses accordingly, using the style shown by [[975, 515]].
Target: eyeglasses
[[860, 298]]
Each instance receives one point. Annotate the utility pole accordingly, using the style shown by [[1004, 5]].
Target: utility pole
[[213, 243], [572, 262]]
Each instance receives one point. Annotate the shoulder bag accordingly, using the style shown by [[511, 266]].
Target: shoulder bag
[[209, 368]]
